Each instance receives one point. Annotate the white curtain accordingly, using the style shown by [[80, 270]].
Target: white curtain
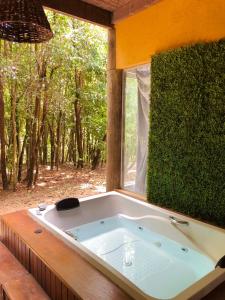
[[143, 78]]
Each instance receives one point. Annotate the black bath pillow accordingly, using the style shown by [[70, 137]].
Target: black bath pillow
[[221, 263], [66, 204]]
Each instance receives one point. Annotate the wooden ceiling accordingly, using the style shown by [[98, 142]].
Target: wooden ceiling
[[121, 8], [101, 12], [110, 5]]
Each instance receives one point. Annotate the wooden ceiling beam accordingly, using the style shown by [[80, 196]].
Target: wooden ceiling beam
[[81, 10], [129, 9]]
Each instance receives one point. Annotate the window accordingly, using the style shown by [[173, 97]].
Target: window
[[136, 127]]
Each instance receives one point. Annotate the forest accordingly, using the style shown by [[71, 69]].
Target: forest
[[53, 102]]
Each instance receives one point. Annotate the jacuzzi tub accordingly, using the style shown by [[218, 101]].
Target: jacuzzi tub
[[140, 247]]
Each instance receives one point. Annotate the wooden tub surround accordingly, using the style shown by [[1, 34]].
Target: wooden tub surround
[[62, 273]]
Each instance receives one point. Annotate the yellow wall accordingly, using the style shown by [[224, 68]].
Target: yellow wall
[[168, 24]]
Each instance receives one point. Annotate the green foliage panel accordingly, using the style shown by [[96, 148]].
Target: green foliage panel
[[186, 170]]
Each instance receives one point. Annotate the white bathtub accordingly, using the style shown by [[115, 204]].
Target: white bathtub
[[196, 236]]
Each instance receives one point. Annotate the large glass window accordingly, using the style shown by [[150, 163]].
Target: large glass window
[[136, 127]]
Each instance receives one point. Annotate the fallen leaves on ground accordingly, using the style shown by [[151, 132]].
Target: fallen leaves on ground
[[53, 186]]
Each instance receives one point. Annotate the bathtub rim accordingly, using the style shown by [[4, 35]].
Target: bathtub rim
[[196, 291]]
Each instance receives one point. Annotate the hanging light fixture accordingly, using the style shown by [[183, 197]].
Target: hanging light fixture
[[24, 21]]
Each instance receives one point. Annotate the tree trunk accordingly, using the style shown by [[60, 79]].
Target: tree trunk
[[28, 146], [20, 164], [14, 136], [38, 126], [63, 140], [96, 159], [2, 137], [52, 142], [77, 109], [45, 146], [58, 138], [40, 131], [33, 148], [18, 130]]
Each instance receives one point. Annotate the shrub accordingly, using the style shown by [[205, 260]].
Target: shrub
[[186, 166]]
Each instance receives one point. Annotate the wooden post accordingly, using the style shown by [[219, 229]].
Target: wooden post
[[114, 126]]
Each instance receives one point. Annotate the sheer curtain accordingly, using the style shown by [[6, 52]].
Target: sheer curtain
[[143, 77], [136, 119]]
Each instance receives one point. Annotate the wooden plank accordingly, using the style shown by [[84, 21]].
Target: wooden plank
[[43, 276], [48, 281], [64, 293], [107, 4], [24, 288], [131, 8], [27, 258], [217, 294], [58, 289], [1, 293], [114, 126], [71, 296], [81, 10], [33, 265], [16, 241], [23, 257], [39, 271], [64, 263], [4, 296], [53, 286]]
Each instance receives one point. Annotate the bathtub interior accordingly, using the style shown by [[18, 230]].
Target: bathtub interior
[[197, 235], [146, 258]]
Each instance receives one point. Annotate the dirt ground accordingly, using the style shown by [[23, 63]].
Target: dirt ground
[[53, 186]]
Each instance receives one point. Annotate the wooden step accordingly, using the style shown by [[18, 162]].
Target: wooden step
[[16, 283], [24, 288]]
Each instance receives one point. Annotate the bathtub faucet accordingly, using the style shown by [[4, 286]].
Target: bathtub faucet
[[175, 221], [42, 206]]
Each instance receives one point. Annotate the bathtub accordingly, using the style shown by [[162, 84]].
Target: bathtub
[[150, 252]]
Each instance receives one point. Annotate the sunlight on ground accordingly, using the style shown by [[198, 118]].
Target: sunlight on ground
[[97, 188], [84, 186], [53, 181], [100, 188], [42, 184]]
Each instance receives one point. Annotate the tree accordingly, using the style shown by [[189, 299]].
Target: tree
[[53, 102], [2, 137]]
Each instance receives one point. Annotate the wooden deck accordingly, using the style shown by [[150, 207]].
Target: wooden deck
[[61, 272]]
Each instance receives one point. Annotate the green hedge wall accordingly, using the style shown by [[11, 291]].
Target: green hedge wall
[[186, 167]]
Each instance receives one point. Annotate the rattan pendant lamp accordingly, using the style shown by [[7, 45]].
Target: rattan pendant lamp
[[24, 21]]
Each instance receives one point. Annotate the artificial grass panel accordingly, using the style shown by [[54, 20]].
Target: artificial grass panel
[[186, 166]]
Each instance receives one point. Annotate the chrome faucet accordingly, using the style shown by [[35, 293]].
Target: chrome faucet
[[41, 207], [176, 221]]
